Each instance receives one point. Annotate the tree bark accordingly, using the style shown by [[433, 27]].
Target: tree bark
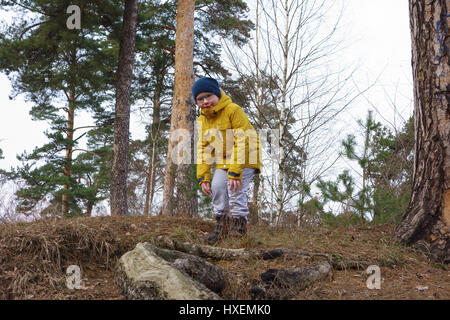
[[150, 182], [283, 120], [69, 150], [427, 218], [182, 115], [153, 137], [258, 189], [119, 172]]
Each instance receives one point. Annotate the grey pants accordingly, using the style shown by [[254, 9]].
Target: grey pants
[[224, 199]]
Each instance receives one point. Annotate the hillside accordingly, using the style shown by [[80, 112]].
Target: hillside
[[34, 258]]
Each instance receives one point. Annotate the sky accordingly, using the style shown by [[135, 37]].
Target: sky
[[379, 43], [382, 46], [382, 49]]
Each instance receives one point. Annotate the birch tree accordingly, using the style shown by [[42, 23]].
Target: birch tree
[[297, 40]]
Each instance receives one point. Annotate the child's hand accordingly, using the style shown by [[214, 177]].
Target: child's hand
[[234, 185], [206, 188]]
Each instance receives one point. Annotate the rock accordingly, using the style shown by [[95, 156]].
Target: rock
[[283, 284], [143, 275], [210, 275]]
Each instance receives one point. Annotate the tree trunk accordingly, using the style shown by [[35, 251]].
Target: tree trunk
[[283, 120], [69, 148], [182, 115], [428, 215], [259, 179], [90, 206], [150, 185], [153, 134], [119, 204], [253, 215]]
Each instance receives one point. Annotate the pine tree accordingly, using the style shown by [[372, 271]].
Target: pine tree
[[119, 205], [427, 218], [35, 54], [61, 71], [391, 171], [383, 188], [182, 112]]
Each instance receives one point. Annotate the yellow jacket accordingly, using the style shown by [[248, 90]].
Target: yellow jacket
[[226, 134]]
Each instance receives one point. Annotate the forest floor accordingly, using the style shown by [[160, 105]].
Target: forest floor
[[34, 258]]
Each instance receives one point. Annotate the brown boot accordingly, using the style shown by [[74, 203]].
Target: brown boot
[[217, 234], [242, 230], [238, 227]]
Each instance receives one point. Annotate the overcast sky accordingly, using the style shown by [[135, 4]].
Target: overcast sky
[[380, 43]]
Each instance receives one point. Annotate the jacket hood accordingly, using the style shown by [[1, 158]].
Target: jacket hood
[[223, 102]]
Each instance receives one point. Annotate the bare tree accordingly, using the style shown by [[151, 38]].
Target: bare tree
[[428, 215], [122, 115], [9, 203], [154, 137], [302, 91]]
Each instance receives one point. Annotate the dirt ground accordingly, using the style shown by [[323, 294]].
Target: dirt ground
[[34, 258]]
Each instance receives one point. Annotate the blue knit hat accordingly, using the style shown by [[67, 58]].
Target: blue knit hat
[[206, 84]]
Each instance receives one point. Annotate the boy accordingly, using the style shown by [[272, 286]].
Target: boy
[[226, 134]]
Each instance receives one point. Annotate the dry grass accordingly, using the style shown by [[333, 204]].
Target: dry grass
[[34, 257]]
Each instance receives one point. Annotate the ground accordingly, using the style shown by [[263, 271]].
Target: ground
[[34, 258]]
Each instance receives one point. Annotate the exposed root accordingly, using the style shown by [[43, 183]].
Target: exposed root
[[216, 253]]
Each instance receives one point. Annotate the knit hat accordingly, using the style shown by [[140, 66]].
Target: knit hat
[[206, 84]]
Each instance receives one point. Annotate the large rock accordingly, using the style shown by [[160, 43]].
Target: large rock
[[142, 274], [208, 274]]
